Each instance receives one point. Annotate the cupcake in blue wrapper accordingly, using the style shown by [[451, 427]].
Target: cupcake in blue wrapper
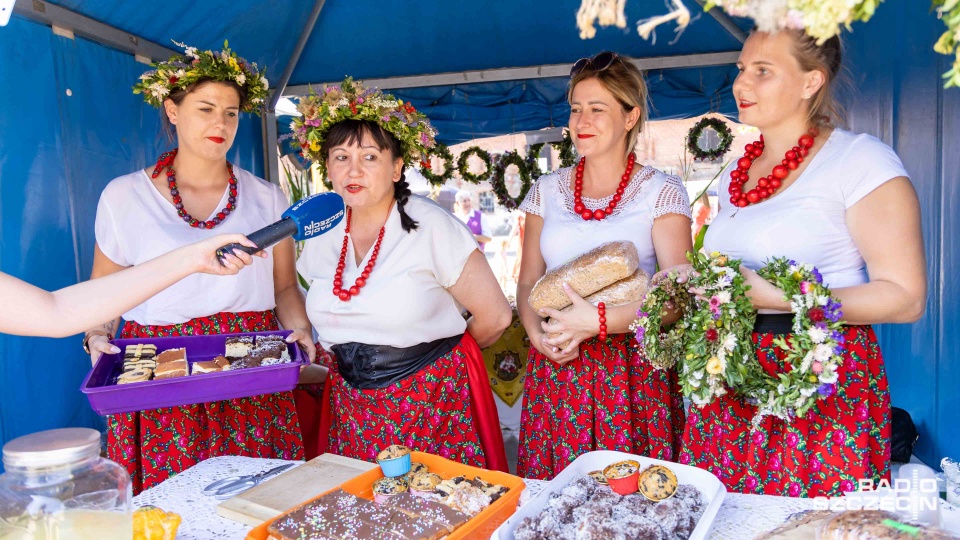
[[394, 460]]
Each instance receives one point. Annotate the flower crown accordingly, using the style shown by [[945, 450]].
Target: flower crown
[[179, 72], [351, 101]]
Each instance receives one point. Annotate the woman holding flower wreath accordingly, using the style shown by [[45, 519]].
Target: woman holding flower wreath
[[386, 289], [597, 393], [193, 193], [841, 202]]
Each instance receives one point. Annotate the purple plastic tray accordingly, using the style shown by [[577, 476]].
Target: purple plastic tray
[[107, 397]]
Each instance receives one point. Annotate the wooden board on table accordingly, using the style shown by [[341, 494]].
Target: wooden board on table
[[297, 485]]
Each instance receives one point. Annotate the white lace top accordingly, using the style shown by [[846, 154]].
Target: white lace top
[[650, 194]]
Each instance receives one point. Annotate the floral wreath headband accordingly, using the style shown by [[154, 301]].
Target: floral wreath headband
[[350, 100], [179, 72]]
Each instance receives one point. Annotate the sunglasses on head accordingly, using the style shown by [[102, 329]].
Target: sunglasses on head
[[599, 62]]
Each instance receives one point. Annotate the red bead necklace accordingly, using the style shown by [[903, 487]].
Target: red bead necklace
[[166, 160], [768, 185], [345, 294], [600, 213]]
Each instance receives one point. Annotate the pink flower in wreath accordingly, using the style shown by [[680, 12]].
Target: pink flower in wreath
[[774, 463], [469, 452], [758, 437], [584, 437], [725, 461], [751, 483], [684, 458], [162, 460], [813, 464], [846, 486], [794, 489]]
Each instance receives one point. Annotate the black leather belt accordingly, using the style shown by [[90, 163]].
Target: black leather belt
[[378, 366], [773, 323]]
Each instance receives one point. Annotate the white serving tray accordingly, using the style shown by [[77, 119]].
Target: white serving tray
[[712, 489]]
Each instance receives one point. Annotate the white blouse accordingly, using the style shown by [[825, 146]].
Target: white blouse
[[405, 301], [135, 224], [565, 235], [807, 222]]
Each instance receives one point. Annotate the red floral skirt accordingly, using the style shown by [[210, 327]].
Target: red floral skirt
[[443, 409], [843, 438], [157, 444], [607, 399]]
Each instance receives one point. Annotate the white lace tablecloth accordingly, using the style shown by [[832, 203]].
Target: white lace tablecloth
[[741, 517]]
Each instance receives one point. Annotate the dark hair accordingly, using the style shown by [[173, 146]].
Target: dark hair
[[177, 96], [351, 132], [828, 59]]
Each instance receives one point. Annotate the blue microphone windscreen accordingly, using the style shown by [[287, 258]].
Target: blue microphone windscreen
[[316, 214]]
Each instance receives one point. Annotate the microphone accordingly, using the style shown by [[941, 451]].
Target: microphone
[[307, 218]]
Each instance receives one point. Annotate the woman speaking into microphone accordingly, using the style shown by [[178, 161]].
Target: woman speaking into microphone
[[385, 288]]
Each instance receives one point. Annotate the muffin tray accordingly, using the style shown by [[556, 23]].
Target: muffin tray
[[710, 487], [107, 397]]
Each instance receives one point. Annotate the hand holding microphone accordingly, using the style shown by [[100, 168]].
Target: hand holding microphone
[[307, 218]]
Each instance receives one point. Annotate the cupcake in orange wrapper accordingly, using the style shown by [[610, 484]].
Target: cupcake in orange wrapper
[[387, 487], [394, 460], [622, 476], [424, 484], [152, 523]]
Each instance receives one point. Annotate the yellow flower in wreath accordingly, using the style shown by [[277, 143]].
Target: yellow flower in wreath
[[714, 366]]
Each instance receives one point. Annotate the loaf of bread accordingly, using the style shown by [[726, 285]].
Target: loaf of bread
[[874, 525], [623, 292], [586, 274]]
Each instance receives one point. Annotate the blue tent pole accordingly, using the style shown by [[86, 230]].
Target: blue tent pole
[[271, 162], [295, 57]]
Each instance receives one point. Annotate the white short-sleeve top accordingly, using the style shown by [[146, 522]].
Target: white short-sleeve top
[[135, 223], [565, 235], [405, 301], [806, 222]]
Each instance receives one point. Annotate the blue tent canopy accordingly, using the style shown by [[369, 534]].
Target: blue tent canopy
[[69, 124]]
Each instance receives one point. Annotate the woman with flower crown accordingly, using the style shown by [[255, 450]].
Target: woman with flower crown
[[841, 202], [386, 286], [598, 393], [192, 193]]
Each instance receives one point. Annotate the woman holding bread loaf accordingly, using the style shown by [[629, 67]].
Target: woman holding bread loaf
[[149, 212], [586, 387], [843, 203], [386, 286]]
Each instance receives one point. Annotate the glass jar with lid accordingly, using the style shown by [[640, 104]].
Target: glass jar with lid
[[56, 486]]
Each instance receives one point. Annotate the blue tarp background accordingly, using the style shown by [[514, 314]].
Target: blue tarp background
[[69, 124]]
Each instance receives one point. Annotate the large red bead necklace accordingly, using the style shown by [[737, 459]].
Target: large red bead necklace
[[600, 213], [346, 294], [166, 160], [768, 185]]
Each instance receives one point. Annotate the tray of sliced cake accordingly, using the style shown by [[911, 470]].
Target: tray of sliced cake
[[608, 494], [150, 373], [412, 495]]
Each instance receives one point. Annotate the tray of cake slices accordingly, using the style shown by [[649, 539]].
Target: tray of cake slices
[[411, 495], [149, 373], [607, 494]]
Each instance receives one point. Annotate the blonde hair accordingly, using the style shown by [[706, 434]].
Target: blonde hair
[[625, 81], [828, 59]]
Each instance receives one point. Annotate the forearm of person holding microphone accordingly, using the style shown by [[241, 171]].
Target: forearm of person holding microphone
[[99, 301]]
